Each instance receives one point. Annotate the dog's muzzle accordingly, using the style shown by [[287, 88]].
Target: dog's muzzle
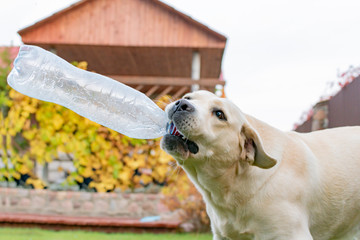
[[181, 109]]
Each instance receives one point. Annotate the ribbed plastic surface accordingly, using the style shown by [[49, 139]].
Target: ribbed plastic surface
[[40, 74]]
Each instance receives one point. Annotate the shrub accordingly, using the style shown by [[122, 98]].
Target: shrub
[[34, 132], [182, 194]]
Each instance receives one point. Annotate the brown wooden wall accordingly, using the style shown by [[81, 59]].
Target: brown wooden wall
[[141, 61], [344, 107], [127, 23], [305, 127]]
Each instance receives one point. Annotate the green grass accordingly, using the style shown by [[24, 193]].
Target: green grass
[[39, 234]]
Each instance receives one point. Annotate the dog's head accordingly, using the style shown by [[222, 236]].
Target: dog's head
[[205, 127]]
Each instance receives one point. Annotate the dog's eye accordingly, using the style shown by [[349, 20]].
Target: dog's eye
[[220, 115], [187, 98]]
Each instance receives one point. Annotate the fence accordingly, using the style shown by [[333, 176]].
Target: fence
[[67, 209]]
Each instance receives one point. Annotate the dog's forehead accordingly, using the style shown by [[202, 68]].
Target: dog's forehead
[[211, 101], [209, 98], [199, 95], [206, 98]]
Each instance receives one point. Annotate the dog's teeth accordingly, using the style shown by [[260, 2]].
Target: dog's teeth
[[172, 130]]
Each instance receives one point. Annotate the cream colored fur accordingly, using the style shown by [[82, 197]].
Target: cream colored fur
[[290, 186]]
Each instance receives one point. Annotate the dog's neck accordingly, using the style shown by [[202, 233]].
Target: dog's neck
[[220, 183], [237, 180]]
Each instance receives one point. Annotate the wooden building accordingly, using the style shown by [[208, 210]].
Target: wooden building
[[342, 109], [143, 43]]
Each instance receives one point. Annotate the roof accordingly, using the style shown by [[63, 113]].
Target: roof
[[216, 39], [145, 44]]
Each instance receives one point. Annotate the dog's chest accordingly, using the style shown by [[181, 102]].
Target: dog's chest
[[233, 224], [229, 215]]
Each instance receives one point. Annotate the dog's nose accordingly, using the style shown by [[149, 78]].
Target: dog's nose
[[184, 105]]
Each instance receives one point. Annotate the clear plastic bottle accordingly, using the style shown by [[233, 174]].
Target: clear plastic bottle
[[40, 74]]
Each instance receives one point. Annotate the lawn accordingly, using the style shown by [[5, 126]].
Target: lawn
[[38, 234]]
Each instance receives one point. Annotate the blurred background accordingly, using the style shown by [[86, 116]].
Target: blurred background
[[294, 65]]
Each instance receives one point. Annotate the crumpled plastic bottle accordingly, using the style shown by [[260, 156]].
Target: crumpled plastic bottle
[[40, 74]]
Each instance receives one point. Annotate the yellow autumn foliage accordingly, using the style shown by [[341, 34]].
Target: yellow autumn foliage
[[182, 194], [105, 158], [33, 131]]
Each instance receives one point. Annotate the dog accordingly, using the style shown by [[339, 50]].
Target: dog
[[262, 183]]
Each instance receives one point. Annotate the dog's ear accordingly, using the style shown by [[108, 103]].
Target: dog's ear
[[252, 149]]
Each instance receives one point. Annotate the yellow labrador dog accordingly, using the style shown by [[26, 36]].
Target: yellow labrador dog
[[261, 183]]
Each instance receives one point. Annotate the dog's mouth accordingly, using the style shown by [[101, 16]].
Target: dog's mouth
[[171, 129]]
